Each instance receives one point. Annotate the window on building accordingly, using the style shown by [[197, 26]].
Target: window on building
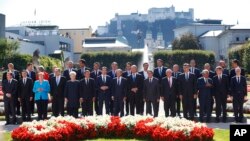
[[237, 39], [246, 38]]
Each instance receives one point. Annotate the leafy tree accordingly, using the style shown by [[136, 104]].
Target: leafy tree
[[8, 48], [185, 42]]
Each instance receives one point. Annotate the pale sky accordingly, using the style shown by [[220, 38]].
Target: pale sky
[[84, 13]]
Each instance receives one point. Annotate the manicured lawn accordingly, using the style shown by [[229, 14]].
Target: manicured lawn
[[220, 135]]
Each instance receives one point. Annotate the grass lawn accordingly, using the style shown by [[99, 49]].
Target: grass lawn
[[220, 135]]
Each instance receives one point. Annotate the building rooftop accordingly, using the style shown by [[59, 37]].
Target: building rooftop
[[212, 33], [106, 42], [240, 26]]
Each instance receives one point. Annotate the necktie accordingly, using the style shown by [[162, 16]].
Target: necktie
[[103, 79], [95, 73], [9, 81], [160, 71], [57, 81], [169, 82], [150, 80], [134, 77], [87, 81], [24, 81], [186, 75], [238, 79]]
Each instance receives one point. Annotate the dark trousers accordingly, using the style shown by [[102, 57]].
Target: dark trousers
[[32, 105], [238, 101], [169, 104], [9, 109], [221, 104], [72, 111], [58, 106], [87, 107], [111, 107], [17, 105], [127, 106], [96, 105], [119, 107], [205, 105], [134, 102], [149, 104], [104, 97], [42, 108], [188, 106], [195, 105], [178, 105], [212, 104], [26, 112]]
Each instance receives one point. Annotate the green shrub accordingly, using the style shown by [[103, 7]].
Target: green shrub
[[106, 58], [184, 56]]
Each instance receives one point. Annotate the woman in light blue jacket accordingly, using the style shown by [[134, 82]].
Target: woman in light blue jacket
[[41, 89]]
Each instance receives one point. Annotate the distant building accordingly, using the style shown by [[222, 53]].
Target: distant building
[[2, 25], [47, 36], [220, 41], [135, 25], [154, 44], [77, 35], [110, 44]]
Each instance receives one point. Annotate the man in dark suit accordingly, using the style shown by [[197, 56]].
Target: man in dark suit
[[119, 92], [104, 90], [87, 94], [188, 92], [176, 73], [94, 74], [10, 87], [221, 92], [31, 74], [135, 87], [126, 74], [144, 72], [238, 94], [204, 86], [224, 67], [68, 70], [197, 74], [57, 86], [51, 75], [159, 72], [112, 74], [211, 75], [151, 94], [235, 64], [169, 86], [25, 95], [82, 69], [16, 76]]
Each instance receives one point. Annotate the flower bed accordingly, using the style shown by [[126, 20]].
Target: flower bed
[[140, 127]]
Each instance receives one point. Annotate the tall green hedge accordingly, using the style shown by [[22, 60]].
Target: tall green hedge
[[184, 56], [20, 62], [106, 58], [241, 53]]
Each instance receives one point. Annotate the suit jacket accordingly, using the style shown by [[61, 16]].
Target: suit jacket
[[160, 76], [221, 87], [66, 73], [32, 75], [119, 91], [226, 72], [16, 75], [232, 73], [41, 95], [167, 91], [187, 87], [100, 83], [151, 91], [93, 74], [211, 74], [72, 93], [25, 90], [80, 74], [142, 73], [197, 72], [57, 91], [51, 75], [10, 88], [238, 89], [125, 74], [176, 74], [202, 88], [111, 74], [88, 89], [138, 83]]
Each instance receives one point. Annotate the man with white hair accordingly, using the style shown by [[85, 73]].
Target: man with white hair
[[238, 94], [204, 86], [169, 93], [68, 70]]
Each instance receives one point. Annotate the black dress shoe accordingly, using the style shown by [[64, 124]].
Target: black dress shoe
[[217, 120], [7, 123], [224, 120]]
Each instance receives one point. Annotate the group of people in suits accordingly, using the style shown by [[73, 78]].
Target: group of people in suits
[[125, 92]]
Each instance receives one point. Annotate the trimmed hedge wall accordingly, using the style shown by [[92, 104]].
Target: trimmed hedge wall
[[106, 58], [184, 56], [20, 62], [242, 54]]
